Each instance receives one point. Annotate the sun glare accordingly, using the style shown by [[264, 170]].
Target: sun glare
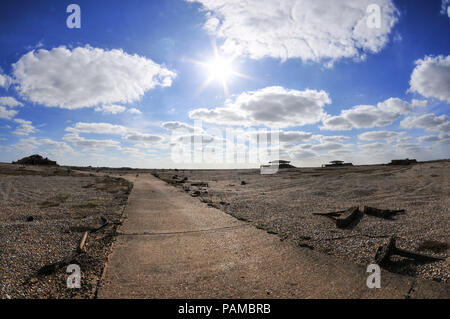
[[220, 69]]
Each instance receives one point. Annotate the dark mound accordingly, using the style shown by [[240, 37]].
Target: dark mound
[[36, 160]]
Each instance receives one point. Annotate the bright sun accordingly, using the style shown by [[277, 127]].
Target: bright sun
[[220, 69]]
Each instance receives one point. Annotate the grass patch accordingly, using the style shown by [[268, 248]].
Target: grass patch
[[434, 246], [54, 201], [47, 204], [87, 205], [242, 218]]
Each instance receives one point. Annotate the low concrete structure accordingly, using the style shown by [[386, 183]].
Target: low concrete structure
[[337, 164], [405, 161], [281, 164]]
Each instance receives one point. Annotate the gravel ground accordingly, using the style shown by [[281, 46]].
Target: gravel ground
[[43, 215], [284, 204]]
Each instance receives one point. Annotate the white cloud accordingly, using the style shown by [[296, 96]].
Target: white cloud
[[294, 136], [312, 30], [9, 101], [431, 78], [373, 147], [30, 144], [177, 126], [113, 129], [369, 116], [97, 128], [445, 7], [419, 103], [86, 76], [395, 105], [92, 145], [429, 122], [134, 111], [327, 146], [271, 106], [429, 138], [379, 135], [7, 114], [361, 116], [111, 109], [141, 137], [5, 81], [331, 139], [24, 128]]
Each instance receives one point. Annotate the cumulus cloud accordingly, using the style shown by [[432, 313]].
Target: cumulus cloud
[[312, 30], [9, 101], [111, 109], [431, 77], [177, 126], [5, 81], [141, 137], [92, 145], [395, 105], [429, 122], [327, 146], [7, 114], [379, 135], [369, 116], [86, 76], [134, 111], [445, 7], [107, 128], [28, 145], [429, 138], [373, 147], [419, 103], [25, 127], [271, 106], [98, 128], [361, 116], [332, 139]]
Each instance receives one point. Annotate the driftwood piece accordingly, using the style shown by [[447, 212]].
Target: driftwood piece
[[349, 217], [384, 252], [382, 213], [82, 242]]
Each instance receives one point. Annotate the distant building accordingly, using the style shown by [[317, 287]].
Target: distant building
[[405, 161], [337, 163], [282, 164]]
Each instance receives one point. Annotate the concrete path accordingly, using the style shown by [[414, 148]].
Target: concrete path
[[173, 246]]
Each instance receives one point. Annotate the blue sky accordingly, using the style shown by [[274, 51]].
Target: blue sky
[[127, 87]]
